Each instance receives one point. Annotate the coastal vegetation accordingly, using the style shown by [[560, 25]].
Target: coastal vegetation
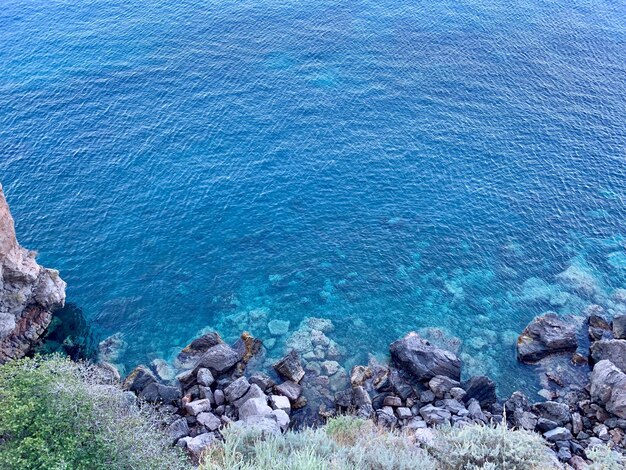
[[59, 414]]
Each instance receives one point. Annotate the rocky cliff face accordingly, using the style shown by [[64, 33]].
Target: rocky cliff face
[[28, 292]]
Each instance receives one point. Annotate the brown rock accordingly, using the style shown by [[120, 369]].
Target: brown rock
[[28, 292]]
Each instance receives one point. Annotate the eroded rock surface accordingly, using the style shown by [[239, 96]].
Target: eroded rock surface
[[28, 292], [545, 335]]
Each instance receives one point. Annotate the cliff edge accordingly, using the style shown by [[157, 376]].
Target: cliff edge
[[28, 292]]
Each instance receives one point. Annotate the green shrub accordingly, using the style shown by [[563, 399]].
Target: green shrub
[[344, 443], [347, 430], [489, 448], [55, 414], [604, 458]]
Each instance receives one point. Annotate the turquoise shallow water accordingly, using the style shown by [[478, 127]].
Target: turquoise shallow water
[[389, 165]]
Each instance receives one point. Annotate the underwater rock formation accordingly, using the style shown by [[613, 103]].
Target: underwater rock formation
[[545, 335], [28, 292]]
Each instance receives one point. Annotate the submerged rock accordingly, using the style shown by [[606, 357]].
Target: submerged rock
[[28, 292], [423, 359], [546, 334]]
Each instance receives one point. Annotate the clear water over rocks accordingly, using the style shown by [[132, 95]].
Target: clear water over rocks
[[454, 168]]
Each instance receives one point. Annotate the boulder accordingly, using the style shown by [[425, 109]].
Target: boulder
[[204, 377], [196, 407], [475, 412], [386, 418], [289, 389], [454, 406], [359, 375], [481, 388], [608, 387], [262, 424], [282, 419], [403, 412], [278, 327], [440, 385], [190, 355], [518, 401], [558, 434], [209, 421], [219, 359], [138, 379], [619, 326], [280, 402], [262, 380], [613, 350], [196, 445], [289, 367], [423, 359], [434, 415], [236, 389], [525, 420], [343, 399], [546, 334], [178, 429], [553, 411], [254, 407], [390, 400], [160, 393], [362, 402], [253, 392]]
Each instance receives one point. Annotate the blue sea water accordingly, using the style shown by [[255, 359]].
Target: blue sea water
[[390, 165]]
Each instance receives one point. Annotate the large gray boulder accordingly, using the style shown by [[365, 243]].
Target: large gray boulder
[[219, 359], [424, 360], [192, 353], [553, 411], [613, 350], [608, 387], [547, 334], [29, 293]]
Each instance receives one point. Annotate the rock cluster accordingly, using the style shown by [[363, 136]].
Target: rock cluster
[[213, 391], [420, 388], [28, 292], [578, 413]]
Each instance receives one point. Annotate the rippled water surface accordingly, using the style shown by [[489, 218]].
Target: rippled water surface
[[390, 165]]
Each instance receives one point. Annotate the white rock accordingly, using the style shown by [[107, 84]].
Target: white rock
[[196, 407], [280, 402]]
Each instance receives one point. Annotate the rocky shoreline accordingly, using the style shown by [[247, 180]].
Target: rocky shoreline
[[419, 389], [581, 361]]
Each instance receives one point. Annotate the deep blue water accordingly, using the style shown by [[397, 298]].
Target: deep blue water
[[390, 165]]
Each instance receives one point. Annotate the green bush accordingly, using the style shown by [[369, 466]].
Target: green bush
[[489, 448], [604, 458], [349, 443], [56, 414], [344, 443]]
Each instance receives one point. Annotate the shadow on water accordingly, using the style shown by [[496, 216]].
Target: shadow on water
[[69, 334]]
